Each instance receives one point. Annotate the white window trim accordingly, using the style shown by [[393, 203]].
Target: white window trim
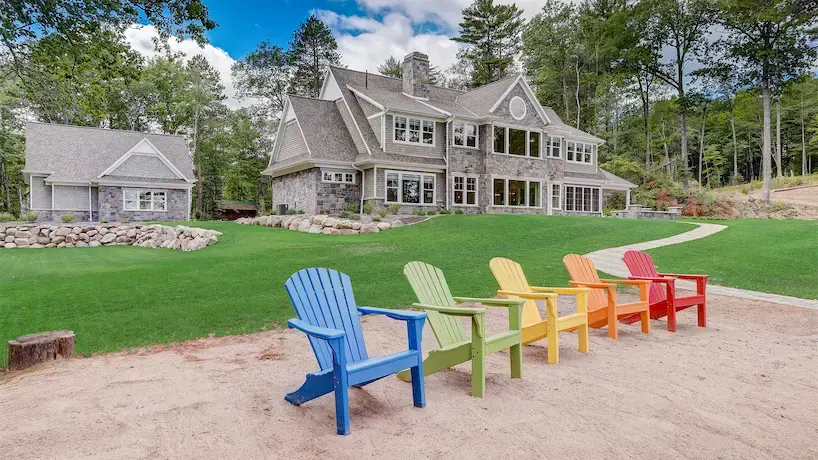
[[551, 196], [476, 135], [565, 197], [527, 141], [525, 108], [562, 145], [465, 190], [338, 171], [593, 152], [421, 119], [400, 187], [527, 181], [140, 190]]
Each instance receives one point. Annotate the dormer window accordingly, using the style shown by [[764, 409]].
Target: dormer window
[[580, 152]]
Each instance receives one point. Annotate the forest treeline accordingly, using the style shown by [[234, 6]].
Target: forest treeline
[[707, 91]]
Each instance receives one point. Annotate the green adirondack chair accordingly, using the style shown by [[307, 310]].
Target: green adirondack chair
[[435, 298]]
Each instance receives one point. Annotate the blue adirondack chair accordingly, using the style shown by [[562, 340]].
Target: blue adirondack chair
[[328, 314]]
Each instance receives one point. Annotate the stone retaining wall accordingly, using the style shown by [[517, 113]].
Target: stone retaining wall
[[319, 224], [77, 236], [636, 211]]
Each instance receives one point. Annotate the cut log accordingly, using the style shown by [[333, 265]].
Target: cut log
[[32, 349]]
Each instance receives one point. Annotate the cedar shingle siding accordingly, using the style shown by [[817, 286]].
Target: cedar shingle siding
[[292, 142]]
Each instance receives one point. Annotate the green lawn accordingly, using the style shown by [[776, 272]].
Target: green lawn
[[116, 297], [778, 256]]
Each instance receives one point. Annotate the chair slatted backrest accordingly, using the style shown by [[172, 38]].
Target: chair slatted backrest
[[510, 277], [431, 288], [641, 264], [581, 268], [324, 298]]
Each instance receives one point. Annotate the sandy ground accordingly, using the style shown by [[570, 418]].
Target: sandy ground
[[745, 387], [804, 195]]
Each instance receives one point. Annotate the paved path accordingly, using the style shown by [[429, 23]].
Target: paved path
[[610, 261]]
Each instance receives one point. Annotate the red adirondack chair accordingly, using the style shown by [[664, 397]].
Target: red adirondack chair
[[663, 299]]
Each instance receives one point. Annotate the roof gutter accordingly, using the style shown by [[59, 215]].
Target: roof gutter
[[446, 160]]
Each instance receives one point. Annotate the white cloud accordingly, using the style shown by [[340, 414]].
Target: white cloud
[[141, 40]]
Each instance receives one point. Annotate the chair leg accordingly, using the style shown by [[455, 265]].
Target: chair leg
[[703, 314], [553, 343], [341, 385], [516, 357], [418, 391], [582, 334], [613, 331], [645, 320], [671, 317], [478, 368]]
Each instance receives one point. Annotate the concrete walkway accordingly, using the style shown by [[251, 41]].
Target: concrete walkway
[[610, 261]]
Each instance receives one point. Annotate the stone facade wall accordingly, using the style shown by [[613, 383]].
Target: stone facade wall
[[438, 150], [531, 118], [333, 198], [636, 211], [84, 236], [111, 207], [298, 190]]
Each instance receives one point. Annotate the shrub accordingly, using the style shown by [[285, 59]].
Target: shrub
[[431, 213], [394, 209], [616, 200], [445, 211], [458, 211], [355, 208], [348, 215], [67, 218], [418, 212], [269, 213], [383, 212], [368, 208], [30, 216], [104, 221], [294, 211], [377, 218], [7, 217]]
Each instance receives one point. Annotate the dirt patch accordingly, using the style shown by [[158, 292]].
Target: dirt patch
[[790, 203], [742, 388]]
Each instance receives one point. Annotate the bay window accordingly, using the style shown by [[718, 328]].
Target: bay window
[[144, 200], [465, 134], [414, 131], [516, 192], [464, 190], [582, 199], [410, 188], [579, 152]]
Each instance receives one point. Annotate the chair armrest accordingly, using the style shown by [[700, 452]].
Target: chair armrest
[[402, 315], [560, 290], [630, 282], [592, 285], [652, 279], [454, 311], [324, 333], [684, 276], [490, 302], [528, 295]]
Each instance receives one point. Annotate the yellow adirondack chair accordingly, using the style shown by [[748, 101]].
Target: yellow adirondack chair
[[514, 285]]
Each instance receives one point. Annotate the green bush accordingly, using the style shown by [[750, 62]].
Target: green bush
[[418, 212], [445, 211], [377, 218], [431, 213], [394, 209], [7, 217], [355, 208], [616, 200], [30, 216], [368, 208], [458, 211], [383, 212], [294, 211], [345, 214], [67, 218]]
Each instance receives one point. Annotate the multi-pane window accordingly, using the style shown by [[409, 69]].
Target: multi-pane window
[[464, 190], [465, 134], [579, 152], [556, 199], [553, 146], [339, 177], [414, 131], [584, 199], [512, 141], [144, 200], [514, 192], [410, 188]]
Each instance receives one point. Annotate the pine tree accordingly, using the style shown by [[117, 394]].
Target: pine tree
[[492, 35], [263, 75], [312, 50], [391, 68]]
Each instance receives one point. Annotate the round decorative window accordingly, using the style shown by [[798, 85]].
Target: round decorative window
[[517, 107]]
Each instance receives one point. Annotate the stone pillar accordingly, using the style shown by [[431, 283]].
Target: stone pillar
[[627, 199]]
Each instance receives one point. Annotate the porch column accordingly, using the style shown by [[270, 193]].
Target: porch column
[[627, 199]]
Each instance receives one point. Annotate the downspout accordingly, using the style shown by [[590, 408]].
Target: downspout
[[363, 189], [446, 160]]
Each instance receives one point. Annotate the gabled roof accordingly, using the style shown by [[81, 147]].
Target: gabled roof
[[66, 153], [481, 100], [323, 129], [558, 126], [613, 179]]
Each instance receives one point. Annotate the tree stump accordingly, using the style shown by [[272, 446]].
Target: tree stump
[[32, 349]]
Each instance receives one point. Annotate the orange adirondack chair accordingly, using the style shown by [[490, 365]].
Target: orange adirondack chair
[[665, 302], [603, 309]]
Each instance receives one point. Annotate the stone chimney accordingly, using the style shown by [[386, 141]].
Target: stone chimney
[[416, 74]]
